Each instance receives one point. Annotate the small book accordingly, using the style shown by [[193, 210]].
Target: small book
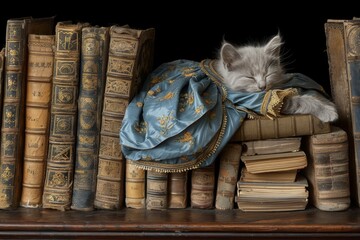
[[271, 196], [275, 162], [281, 176], [134, 186], [178, 183], [228, 176], [156, 190], [281, 127], [268, 146], [328, 170], [203, 187]]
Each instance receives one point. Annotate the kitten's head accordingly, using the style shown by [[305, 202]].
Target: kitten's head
[[251, 68]]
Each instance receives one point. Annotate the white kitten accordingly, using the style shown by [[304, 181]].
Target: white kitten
[[258, 68]]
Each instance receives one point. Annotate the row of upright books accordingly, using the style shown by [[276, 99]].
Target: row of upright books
[[65, 91]]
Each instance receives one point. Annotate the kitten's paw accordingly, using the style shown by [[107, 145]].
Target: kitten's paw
[[328, 114]]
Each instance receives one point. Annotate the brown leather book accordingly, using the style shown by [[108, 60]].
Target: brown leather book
[[281, 127], [13, 114], [328, 170], [61, 154], [203, 187], [2, 66], [156, 190], [94, 55], [37, 117], [178, 185], [343, 50], [134, 186], [269, 146], [130, 60], [228, 176], [275, 162]]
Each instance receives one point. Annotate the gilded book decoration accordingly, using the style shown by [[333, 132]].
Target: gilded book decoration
[[12, 129], [130, 60], [59, 171], [37, 117], [92, 81]]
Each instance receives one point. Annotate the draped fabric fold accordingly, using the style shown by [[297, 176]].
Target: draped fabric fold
[[183, 116]]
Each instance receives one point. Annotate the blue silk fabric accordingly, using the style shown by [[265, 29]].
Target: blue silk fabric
[[183, 116]]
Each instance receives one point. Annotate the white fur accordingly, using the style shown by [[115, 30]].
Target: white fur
[[254, 68]]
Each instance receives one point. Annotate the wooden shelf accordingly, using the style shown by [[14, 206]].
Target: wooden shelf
[[187, 223]]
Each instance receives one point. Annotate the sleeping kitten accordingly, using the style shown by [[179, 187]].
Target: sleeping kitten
[[258, 68]]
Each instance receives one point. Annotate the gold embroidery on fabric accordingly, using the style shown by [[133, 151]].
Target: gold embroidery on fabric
[[168, 96], [166, 123], [188, 72], [186, 138], [199, 109], [139, 104], [273, 101]]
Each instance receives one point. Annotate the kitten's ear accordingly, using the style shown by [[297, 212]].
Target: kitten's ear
[[273, 46], [228, 55]]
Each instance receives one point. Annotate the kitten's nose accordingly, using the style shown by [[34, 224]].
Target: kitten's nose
[[261, 86]]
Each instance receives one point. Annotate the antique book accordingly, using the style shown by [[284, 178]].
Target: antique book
[[134, 186], [228, 176], [37, 117], [271, 196], [281, 176], [13, 114], [130, 60], [203, 187], [342, 41], [281, 127], [156, 190], [269, 146], [94, 55], [2, 66], [178, 185], [63, 118], [328, 170], [275, 162]]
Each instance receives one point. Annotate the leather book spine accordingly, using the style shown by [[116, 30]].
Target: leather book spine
[[203, 187], [156, 190], [134, 186], [130, 60], [281, 127], [94, 54], [37, 117], [13, 114], [228, 176], [61, 154], [328, 170], [178, 185]]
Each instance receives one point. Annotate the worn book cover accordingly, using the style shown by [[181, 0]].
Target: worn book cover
[[13, 114], [343, 50], [272, 196], [281, 176], [94, 55], [130, 60], [63, 118], [135, 182], [275, 162], [269, 146], [203, 187], [227, 176], [37, 117], [281, 127], [178, 190], [328, 170], [156, 190]]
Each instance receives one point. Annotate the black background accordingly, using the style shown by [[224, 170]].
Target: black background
[[195, 30]]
